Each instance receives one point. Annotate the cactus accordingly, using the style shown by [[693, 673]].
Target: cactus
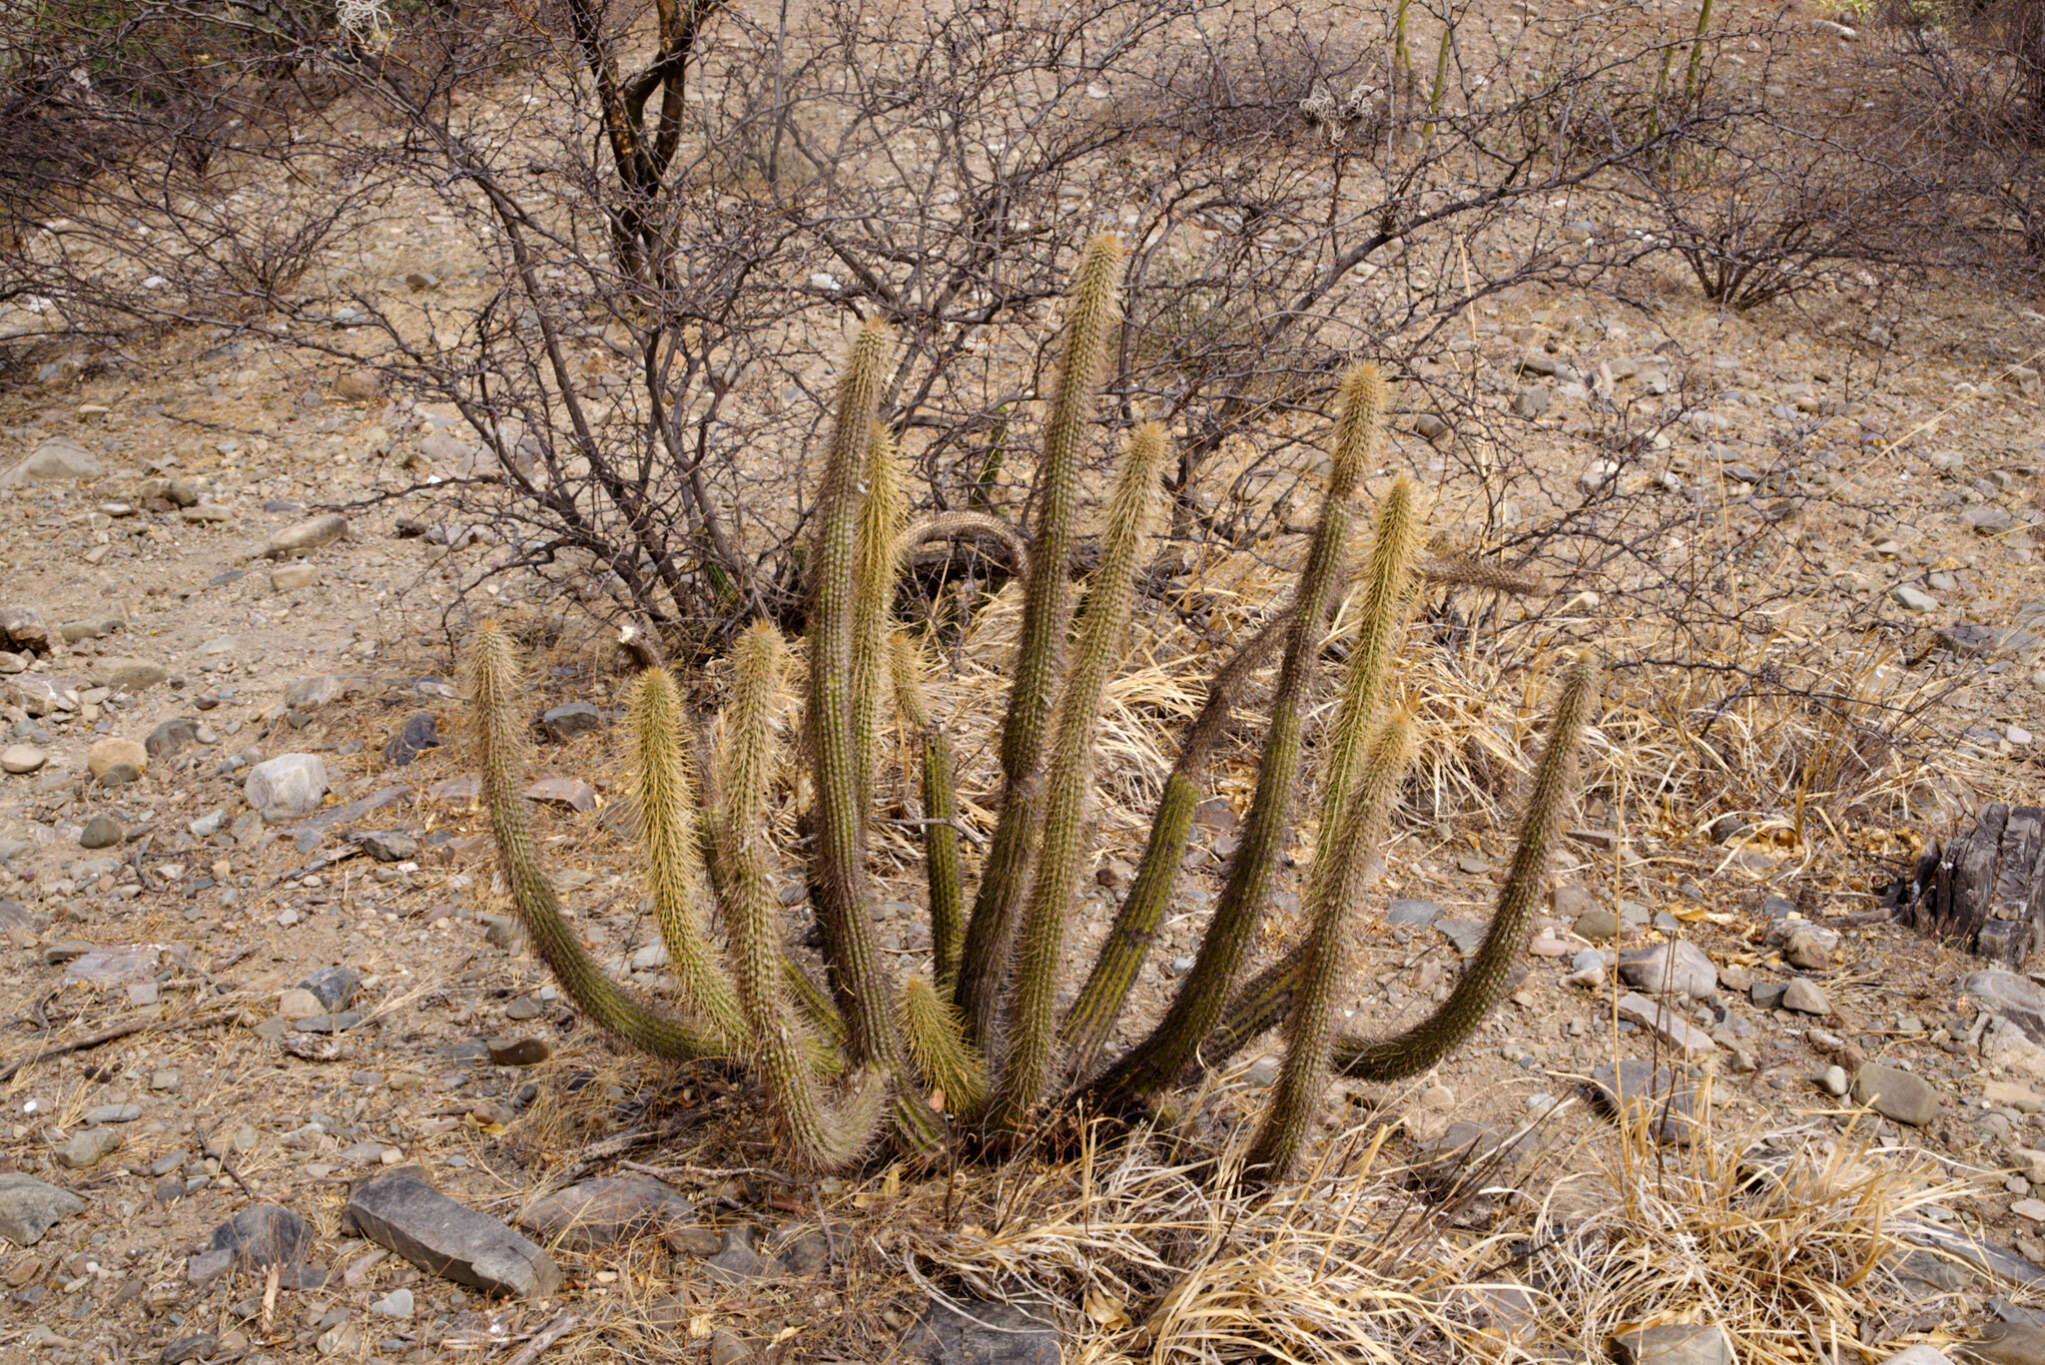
[[839, 1067]]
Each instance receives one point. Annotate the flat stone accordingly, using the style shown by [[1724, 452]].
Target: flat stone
[[1679, 968], [305, 537], [286, 787], [125, 675], [396, 1304], [438, 1235], [2016, 998], [571, 792], [58, 459], [21, 759], [1806, 997], [1466, 934], [101, 831], [196, 1347], [113, 1113], [1407, 911], [564, 723], [1913, 598], [1637, 1086], [1690, 1040], [969, 1331], [1673, 1344], [388, 847], [1896, 1094], [264, 1235], [208, 1266], [596, 1213], [415, 737], [291, 577], [115, 762], [334, 987], [309, 694], [30, 1207], [519, 1051], [118, 965], [172, 737]]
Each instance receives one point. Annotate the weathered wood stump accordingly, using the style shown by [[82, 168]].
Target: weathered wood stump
[[1986, 889]]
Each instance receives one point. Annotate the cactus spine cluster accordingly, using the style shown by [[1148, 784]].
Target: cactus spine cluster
[[978, 1038]]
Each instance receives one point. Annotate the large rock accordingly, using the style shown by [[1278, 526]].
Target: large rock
[[1679, 968], [1897, 1094], [22, 628], [286, 787], [433, 1232], [115, 762], [597, 1213], [2015, 998], [57, 459], [1678, 1033], [1676, 1343], [306, 536], [1986, 889], [29, 1207], [981, 1332]]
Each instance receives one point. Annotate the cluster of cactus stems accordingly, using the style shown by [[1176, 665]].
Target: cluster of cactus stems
[[979, 1042]]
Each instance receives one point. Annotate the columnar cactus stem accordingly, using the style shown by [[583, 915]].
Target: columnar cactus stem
[[940, 816], [937, 1040], [750, 756], [1093, 312], [1155, 1062], [882, 515], [1325, 971], [1063, 845], [493, 684]]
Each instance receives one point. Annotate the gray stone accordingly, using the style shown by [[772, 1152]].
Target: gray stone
[[306, 536], [22, 628], [29, 1207], [438, 1235], [1466, 934], [309, 694], [1597, 924], [172, 738], [113, 1113], [1834, 1079], [1969, 637], [197, 1347], [1678, 968], [396, 1304], [1987, 521], [564, 723], [388, 846], [1912, 598], [58, 458], [264, 1235], [286, 787], [208, 1266], [1635, 1085], [335, 1022], [1806, 997], [971, 1331], [1673, 1344], [571, 792], [101, 831], [125, 674], [596, 1213], [21, 759], [84, 1150], [416, 736], [2009, 1343], [737, 1260], [1531, 402], [334, 987], [1687, 1038], [2010, 996], [1896, 1094], [1412, 912]]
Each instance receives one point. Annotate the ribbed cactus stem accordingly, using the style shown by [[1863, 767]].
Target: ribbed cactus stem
[[663, 797], [940, 815], [1325, 972], [1490, 971], [881, 517], [1093, 309], [937, 1040], [750, 757], [1063, 844], [1383, 616], [1359, 418], [495, 691], [1157, 1060]]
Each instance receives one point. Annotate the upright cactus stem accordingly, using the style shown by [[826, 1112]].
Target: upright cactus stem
[[1063, 845], [1093, 309], [940, 816]]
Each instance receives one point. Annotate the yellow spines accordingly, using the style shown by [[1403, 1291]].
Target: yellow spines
[[1360, 416], [883, 513], [937, 1040]]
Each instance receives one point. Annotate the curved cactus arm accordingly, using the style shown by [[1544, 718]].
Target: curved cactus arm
[[937, 1040], [1093, 311], [1490, 971], [1155, 1062], [1063, 845], [494, 688], [821, 1139], [940, 815], [1326, 964], [662, 796]]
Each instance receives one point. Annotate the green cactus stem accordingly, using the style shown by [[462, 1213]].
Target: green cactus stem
[[882, 514], [937, 1040], [940, 815], [1093, 311], [494, 688], [1063, 845]]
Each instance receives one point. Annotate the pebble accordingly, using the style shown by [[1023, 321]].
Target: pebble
[[101, 831], [305, 537], [1896, 1094], [30, 1207], [564, 723], [1833, 1078], [1912, 598], [81, 1151], [20, 759], [596, 1213], [1806, 997], [396, 1304]]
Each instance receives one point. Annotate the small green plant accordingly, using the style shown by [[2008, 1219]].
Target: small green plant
[[979, 1043]]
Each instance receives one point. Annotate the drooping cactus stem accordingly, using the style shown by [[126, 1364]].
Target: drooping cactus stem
[[937, 1040], [662, 796], [1093, 309], [940, 815], [1310, 1035], [1063, 844], [500, 716], [750, 757]]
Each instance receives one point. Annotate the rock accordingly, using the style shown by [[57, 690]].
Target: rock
[[309, 694], [116, 762], [114, 966], [388, 847], [113, 1113], [1431, 426], [264, 1235], [1466, 934], [1986, 889], [101, 831], [1635, 1085], [298, 1003], [1806, 951], [1597, 924], [29, 1207], [339, 1021], [1805, 997], [1405, 911], [438, 1235], [125, 674], [737, 1260], [1972, 638], [417, 736], [519, 1051], [1833, 1078], [1673, 1344], [564, 723], [1679, 968], [971, 1331], [1690, 1040], [20, 759], [57, 458], [2009, 1343], [2009, 996], [286, 787], [1531, 402], [305, 537], [359, 386], [727, 1349], [1896, 1094], [1918, 1355], [1987, 521], [596, 1213], [292, 577], [197, 1347], [396, 1304], [1913, 599], [333, 987], [172, 738], [571, 792], [22, 628]]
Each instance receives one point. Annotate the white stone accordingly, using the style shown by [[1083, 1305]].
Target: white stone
[[287, 786], [58, 458]]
